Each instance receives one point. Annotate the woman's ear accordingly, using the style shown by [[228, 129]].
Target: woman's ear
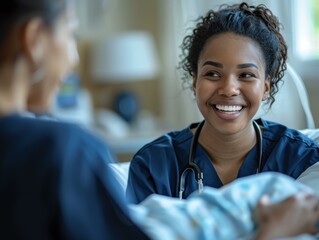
[[33, 42], [266, 88], [194, 83]]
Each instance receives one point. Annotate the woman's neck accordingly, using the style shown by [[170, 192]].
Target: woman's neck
[[228, 148], [227, 151]]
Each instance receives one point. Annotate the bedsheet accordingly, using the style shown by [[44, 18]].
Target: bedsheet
[[215, 213]]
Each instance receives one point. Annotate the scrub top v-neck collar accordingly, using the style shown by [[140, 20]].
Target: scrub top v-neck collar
[[211, 178]]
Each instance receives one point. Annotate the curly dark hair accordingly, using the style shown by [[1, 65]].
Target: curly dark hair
[[255, 22]]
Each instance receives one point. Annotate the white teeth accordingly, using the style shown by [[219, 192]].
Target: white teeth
[[228, 108]]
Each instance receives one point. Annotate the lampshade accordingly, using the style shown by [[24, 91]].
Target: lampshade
[[129, 56]]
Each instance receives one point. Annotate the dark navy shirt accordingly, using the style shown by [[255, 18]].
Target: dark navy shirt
[[55, 183], [157, 167]]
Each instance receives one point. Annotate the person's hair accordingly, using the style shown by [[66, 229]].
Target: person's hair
[[255, 22], [18, 11]]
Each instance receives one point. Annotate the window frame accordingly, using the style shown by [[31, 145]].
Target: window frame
[[307, 68]]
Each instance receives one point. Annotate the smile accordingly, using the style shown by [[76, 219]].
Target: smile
[[228, 108]]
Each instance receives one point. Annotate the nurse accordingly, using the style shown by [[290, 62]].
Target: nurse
[[233, 60]]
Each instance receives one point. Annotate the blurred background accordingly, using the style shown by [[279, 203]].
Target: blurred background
[[127, 87]]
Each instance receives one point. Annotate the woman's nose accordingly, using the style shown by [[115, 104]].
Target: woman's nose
[[229, 86]]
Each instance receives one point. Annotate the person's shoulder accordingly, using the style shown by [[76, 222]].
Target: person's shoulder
[[78, 135], [274, 131], [60, 129], [62, 136], [77, 145]]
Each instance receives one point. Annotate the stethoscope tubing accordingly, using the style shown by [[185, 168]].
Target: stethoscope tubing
[[199, 175]]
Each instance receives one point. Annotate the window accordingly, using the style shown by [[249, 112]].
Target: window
[[302, 29], [306, 29]]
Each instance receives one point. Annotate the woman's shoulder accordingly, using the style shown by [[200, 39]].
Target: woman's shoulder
[[277, 132], [64, 130], [57, 134], [78, 137], [53, 143]]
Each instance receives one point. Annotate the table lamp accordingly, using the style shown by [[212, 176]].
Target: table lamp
[[125, 57]]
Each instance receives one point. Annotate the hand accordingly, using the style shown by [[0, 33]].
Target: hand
[[295, 215]]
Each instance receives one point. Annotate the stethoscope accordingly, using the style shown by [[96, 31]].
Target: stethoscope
[[192, 166]]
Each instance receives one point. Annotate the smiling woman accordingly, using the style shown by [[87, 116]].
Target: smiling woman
[[233, 60], [230, 84]]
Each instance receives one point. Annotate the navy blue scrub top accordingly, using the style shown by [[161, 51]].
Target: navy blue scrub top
[[156, 168], [55, 183]]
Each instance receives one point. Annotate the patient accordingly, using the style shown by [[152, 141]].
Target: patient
[[55, 181]]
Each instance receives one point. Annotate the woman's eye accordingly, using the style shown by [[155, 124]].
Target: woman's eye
[[211, 74], [247, 75]]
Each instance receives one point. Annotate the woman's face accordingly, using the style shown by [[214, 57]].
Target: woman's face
[[60, 57], [231, 82]]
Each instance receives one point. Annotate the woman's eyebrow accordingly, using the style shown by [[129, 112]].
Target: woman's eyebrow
[[212, 63], [219, 65], [247, 65]]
